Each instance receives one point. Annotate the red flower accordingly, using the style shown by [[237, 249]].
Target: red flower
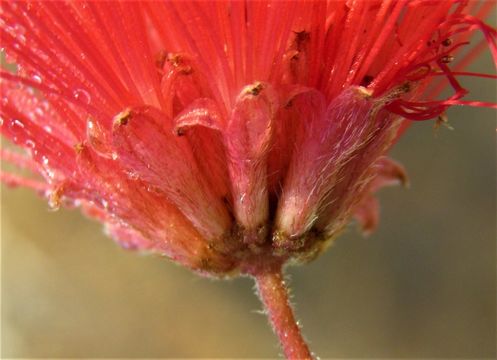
[[231, 137]]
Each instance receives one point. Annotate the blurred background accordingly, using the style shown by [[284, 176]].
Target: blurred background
[[422, 286]]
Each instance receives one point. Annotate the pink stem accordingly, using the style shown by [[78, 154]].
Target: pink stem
[[274, 295]]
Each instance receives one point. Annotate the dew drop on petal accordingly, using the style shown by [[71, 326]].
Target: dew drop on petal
[[17, 124], [47, 169], [30, 144], [36, 78], [82, 96]]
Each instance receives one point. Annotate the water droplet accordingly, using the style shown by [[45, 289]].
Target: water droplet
[[18, 123], [16, 126], [30, 144], [36, 78], [82, 96]]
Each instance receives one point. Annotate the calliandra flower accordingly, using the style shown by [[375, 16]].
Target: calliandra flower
[[233, 138]]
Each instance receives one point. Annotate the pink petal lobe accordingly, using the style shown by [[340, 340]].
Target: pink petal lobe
[[146, 218], [202, 124], [287, 125], [384, 172], [389, 172], [331, 165], [146, 146], [298, 203], [367, 214], [247, 139], [201, 112]]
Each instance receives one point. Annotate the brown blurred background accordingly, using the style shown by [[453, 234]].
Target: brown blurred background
[[423, 286]]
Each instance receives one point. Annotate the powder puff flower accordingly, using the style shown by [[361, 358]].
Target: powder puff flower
[[231, 137]]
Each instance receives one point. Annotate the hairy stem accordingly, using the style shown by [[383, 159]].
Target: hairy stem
[[274, 295]]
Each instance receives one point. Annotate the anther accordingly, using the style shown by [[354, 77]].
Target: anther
[[447, 42], [54, 198], [79, 147], [256, 89], [366, 93], [122, 118], [442, 119], [178, 62]]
